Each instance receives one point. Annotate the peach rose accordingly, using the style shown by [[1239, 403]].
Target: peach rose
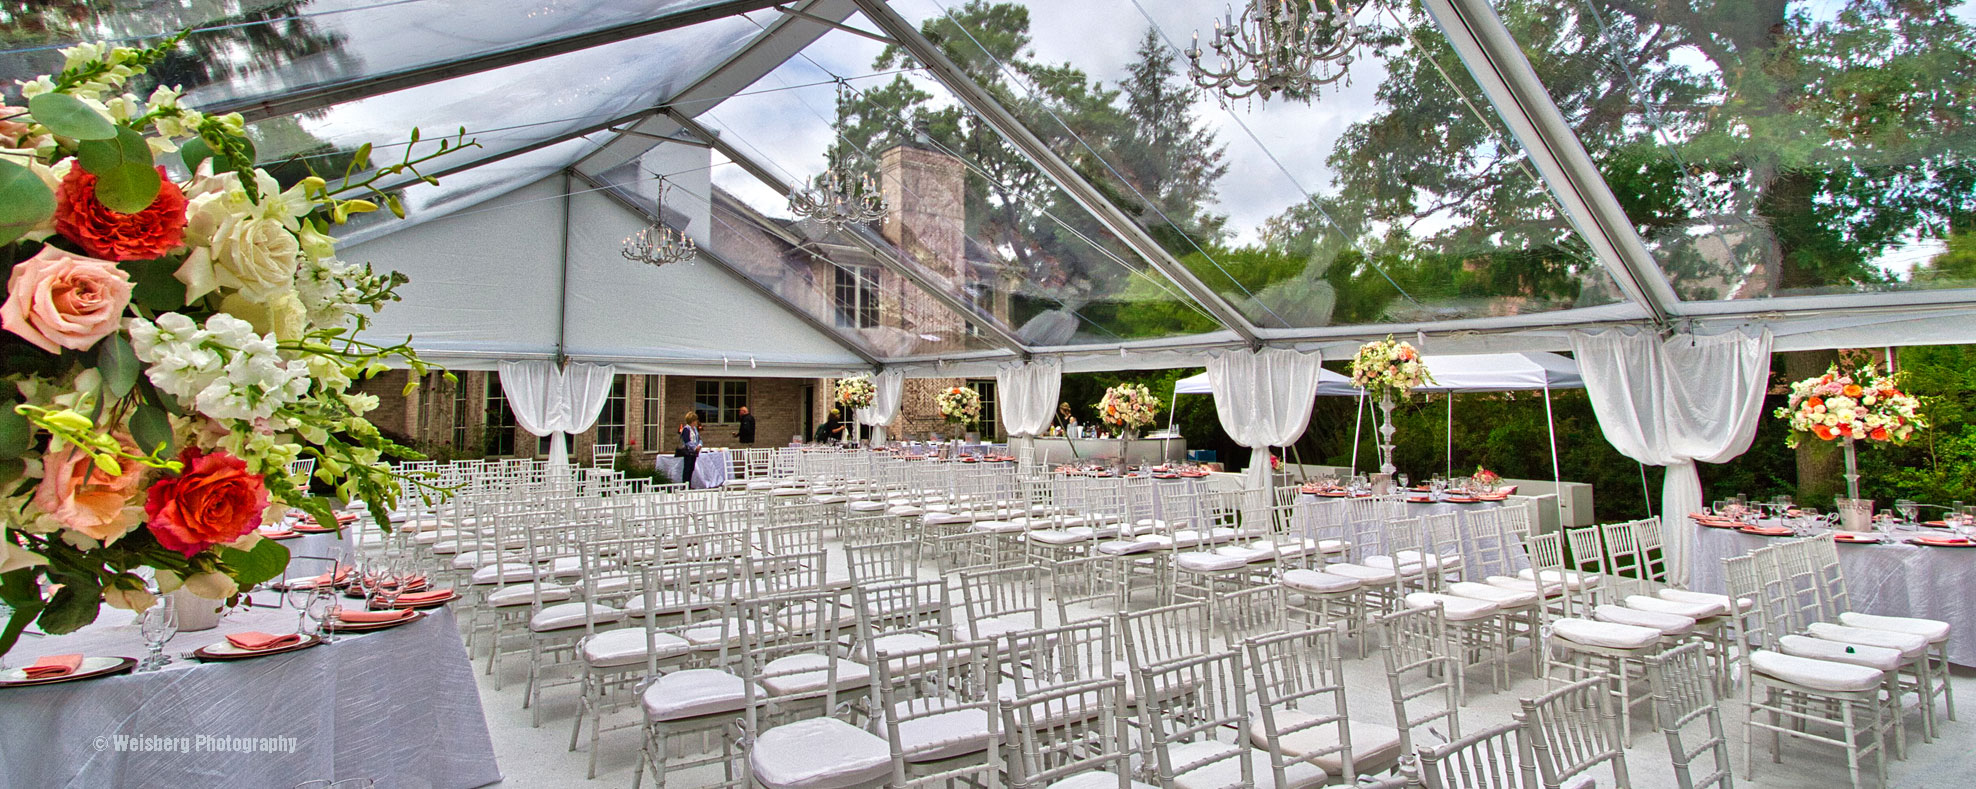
[[214, 500], [85, 499], [60, 300]]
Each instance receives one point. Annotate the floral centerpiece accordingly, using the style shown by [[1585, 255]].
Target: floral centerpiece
[[855, 392], [1851, 404], [1485, 480], [171, 346], [1388, 370], [959, 405], [1128, 406]]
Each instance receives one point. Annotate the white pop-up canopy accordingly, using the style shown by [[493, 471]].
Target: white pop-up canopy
[[1479, 372]]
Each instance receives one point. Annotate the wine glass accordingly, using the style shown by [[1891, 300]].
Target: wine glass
[[1909, 509], [1402, 479], [321, 610], [388, 580], [157, 625]]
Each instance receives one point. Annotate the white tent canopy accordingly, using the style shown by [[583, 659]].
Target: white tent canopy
[[1481, 372]]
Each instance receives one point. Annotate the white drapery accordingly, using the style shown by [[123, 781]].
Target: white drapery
[[1263, 400], [1672, 403], [548, 401], [887, 389], [1026, 393]]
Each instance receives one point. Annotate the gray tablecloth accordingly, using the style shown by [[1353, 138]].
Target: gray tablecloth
[[1890, 580], [709, 472], [399, 706]]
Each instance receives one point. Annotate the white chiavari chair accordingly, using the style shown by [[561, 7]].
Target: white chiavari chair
[[1684, 692], [1068, 736], [1416, 649], [1034, 660], [1301, 714], [1495, 757], [938, 704], [1837, 606], [1196, 725], [995, 602], [612, 659], [794, 730], [1571, 732], [899, 617]]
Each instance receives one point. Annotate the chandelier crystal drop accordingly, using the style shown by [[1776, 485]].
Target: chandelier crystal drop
[[656, 244], [838, 196], [1288, 47]]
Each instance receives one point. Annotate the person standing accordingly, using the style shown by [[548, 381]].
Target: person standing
[[832, 430], [689, 446], [746, 433]]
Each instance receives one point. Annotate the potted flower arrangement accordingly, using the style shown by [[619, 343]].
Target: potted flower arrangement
[[855, 392], [171, 346], [1484, 480], [959, 405], [1388, 370], [1848, 405], [1128, 407]]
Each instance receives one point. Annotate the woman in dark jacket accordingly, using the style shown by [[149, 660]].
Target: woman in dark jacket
[[689, 446]]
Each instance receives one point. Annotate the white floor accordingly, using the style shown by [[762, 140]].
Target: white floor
[[539, 757]]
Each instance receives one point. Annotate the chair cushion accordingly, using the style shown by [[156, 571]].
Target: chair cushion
[[944, 518], [1065, 536], [1610, 635], [867, 506], [505, 572], [819, 753], [568, 615], [943, 735], [1935, 631], [1261, 551], [715, 633], [1132, 546], [524, 594], [1524, 585], [905, 511], [1370, 576], [1208, 562], [1374, 747], [627, 646], [1396, 567], [1909, 646], [1434, 560], [666, 601], [1459, 609], [903, 642], [1824, 675], [811, 673], [1503, 598], [990, 527], [1857, 654], [1319, 582], [1662, 605], [1572, 579], [1227, 771], [1096, 781], [1719, 600], [1667, 624], [998, 626], [692, 693]]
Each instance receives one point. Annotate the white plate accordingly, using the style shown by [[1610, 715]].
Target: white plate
[[89, 665]]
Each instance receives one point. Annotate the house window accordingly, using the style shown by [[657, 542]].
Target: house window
[[719, 400], [499, 421], [460, 415], [856, 297], [989, 416], [610, 423], [655, 416]]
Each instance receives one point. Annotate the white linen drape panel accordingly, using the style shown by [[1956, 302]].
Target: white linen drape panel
[[1672, 403], [1026, 393], [888, 388], [548, 401], [1263, 400]]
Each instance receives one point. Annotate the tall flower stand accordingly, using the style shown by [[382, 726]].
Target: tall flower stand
[[1382, 482], [1855, 513]]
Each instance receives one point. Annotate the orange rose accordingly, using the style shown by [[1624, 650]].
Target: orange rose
[[87, 500], [1853, 390], [214, 500], [1814, 402], [1824, 433], [1878, 434]]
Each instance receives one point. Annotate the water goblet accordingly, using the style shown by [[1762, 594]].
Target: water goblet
[[321, 610], [1402, 479], [157, 625]]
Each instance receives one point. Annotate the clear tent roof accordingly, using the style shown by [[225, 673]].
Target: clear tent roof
[[1490, 175]]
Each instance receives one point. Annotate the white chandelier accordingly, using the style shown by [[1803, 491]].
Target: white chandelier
[[657, 244], [1292, 47], [838, 197]]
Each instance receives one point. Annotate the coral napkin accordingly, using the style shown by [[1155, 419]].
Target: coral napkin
[[257, 641], [368, 617], [416, 598], [1933, 540], [53, 666]]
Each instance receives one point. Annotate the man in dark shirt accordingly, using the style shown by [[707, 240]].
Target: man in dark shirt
[[746, 432], [832, 429]]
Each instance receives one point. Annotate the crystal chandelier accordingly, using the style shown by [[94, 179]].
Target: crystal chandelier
[[1292, 47], [838, 197], [657, 244]]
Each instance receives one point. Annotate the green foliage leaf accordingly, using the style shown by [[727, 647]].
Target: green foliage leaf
[[262, 564], [151, 428], [154, 287], [24, 201], [322, 510], [22, 592], [127, 180], [74, 606], [151, 395], [194, 151], [67, 116], [16, 434], [118, 363]]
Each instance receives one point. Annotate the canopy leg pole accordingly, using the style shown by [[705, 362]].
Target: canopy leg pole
[[1451, 434], [1358, 418], [1557, 477], [1646, 492]]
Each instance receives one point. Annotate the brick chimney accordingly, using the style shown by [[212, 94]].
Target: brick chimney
[[926, 217]]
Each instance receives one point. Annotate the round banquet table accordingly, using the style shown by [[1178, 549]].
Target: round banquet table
[[1514, 556], [709, 472], [397, 705], [1892, 579]]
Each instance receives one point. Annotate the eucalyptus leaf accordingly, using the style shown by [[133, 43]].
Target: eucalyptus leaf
[[73, 607], [153, 285], [24, 201], [151, 428], [67, 116], [127, 180], [16, 433], [262, 564], [118, 363], [193, 152]]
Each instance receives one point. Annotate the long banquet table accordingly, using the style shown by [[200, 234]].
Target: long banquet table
[[710, 471], [399, 706], [1887, 579]]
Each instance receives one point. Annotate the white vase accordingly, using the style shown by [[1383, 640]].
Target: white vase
[[194, 612]]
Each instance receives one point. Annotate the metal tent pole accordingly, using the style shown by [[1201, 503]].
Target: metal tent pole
[[1358, 419], [1451, 434], [1557, 477]]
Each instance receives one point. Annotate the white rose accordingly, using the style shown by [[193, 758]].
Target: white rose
[[128, 599]]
